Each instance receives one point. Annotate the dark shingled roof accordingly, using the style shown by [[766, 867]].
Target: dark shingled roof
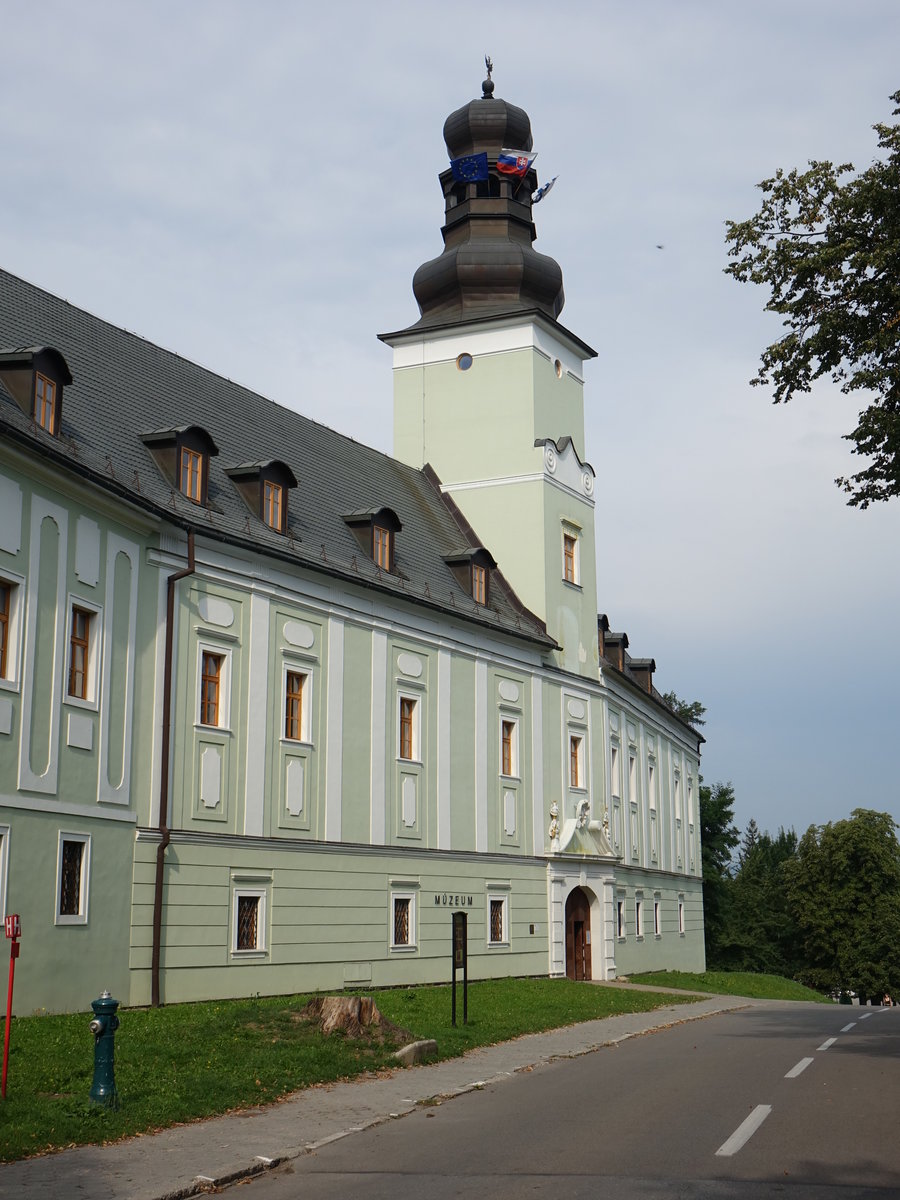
[[123, 387]]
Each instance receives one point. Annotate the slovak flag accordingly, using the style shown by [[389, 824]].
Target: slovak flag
[[514, 162]]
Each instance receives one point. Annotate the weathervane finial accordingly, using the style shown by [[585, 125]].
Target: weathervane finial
[[487, 88]]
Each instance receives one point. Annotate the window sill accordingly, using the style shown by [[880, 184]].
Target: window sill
[[243, 955], [498, 945], [403, 949], [86, 705], [569, 583], [9, 685], [510, 778], [410, 762], [226, 730], [295, 743], [70, 920]]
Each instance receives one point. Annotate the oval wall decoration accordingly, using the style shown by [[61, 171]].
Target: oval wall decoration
[[216, 611], [508, 691], [408, 664], [576, 709], [298, 634]]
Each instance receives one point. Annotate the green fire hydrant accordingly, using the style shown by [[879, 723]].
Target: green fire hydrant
[[103, 1027]]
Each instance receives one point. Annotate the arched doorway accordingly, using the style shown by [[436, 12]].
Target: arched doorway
[[578, 935]]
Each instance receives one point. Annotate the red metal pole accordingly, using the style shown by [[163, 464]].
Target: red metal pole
[[13, 955]]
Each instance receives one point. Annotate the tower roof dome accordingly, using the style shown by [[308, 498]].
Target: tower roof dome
[[488, 266], [487, 124]]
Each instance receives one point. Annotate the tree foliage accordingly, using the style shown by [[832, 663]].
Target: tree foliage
[[843, 889], [691, 711], [760, 933], [718, 838], [826, 243]]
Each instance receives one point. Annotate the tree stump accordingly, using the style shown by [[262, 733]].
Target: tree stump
[[349, 1014]]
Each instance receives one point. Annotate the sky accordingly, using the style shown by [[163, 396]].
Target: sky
[[253, 185]]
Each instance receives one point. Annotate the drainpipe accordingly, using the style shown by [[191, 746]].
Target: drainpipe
[[164, 771]]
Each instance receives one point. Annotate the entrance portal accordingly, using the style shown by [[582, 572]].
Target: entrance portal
[[578, 935]]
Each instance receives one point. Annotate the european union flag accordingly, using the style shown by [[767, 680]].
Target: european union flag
[[470, 168]]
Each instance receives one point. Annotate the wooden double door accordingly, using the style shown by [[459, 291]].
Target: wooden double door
[[578, 935]]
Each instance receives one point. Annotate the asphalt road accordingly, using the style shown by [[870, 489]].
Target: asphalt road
[[800, 1101]]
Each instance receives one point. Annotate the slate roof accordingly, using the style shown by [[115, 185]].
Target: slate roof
[[124, 387]]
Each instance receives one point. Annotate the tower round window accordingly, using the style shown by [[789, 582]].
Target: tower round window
[[464, 362]]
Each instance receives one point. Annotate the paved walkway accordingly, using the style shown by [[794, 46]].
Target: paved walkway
[[193, 1159]]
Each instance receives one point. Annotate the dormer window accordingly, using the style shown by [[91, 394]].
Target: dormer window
[[45, 402], [264, 488], [382, 547], [472, 568], [183, 456], [35, 378], [273, 503], [191, 474], [479, 584], [375, 531]]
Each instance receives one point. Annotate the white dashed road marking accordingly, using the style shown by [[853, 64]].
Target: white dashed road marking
[[744, 1131], [847, 1028], [826, 1045], [799, 1069]]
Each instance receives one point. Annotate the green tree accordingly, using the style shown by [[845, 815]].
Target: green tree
[[718, 838], [761, 934], [691, 711], [826, 243], [843, 888]]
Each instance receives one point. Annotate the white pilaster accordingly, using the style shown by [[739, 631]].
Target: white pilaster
[[259, 688], [334, 730]]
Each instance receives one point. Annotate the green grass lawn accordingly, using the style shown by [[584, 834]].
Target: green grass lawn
[[733, 983], [189, 1061]]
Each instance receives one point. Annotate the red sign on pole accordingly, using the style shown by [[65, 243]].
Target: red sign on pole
[[13, 931]]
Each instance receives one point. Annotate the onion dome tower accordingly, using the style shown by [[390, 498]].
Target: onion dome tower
[[488, 264], [488, 385]]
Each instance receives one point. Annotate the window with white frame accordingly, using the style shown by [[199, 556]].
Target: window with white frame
[[657, 917], [681, 915], [403, 920], [639, 915], [83, 660], [408, 728], [571, 555], [248, 920], [614, 770], [635, 842], [509, 746], [620, 917], [498, 920], [296, 704], [4, 866], [632, 778], [576, 761], [73, 872], [213, 686], [12, 591], [676, 794]]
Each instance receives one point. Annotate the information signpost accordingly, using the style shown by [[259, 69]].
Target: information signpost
[[460, 962], [13, 932]]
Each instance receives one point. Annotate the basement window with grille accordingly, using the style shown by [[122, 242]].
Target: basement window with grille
[[72, 878], [248, 921], [402, 917]]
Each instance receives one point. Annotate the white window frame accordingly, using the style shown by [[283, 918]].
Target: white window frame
[[416, 748], [621, 925], [11, 681], [615, 770], [293, 668], [205, 646], [681, 915], [503, 899], [676, 793], [4, 866], [95, 636], [577, 735], [508, 719], [639, 915], [260, 894], [572, 531], [657, 916], [84, 886], [403, 894]]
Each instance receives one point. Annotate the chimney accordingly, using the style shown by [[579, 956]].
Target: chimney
[[642, 671], [615, 645]]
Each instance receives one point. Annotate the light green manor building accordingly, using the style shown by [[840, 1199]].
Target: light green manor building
[[274, 705]]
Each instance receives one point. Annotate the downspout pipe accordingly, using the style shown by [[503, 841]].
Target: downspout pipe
[[164, 770]]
